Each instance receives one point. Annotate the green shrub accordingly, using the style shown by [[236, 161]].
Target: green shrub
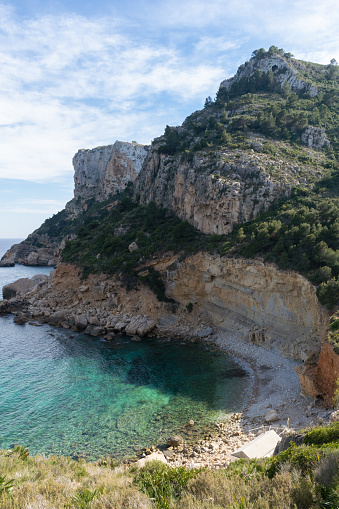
[[323, 435], [303, 459], [163, 483], [5, 486]]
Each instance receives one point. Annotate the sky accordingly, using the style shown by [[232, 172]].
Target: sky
[[80, 74]]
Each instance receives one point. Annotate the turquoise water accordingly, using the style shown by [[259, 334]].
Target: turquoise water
[[67, 393]]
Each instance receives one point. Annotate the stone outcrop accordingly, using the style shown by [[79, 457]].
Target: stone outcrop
[[27, 252], [315, 137], [251, 301], [8, 262], [102, 171], [98, 173], [283, 70], [217, 193], [22, 286]]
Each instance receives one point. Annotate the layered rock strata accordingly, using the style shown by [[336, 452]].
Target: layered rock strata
[[249, 300]]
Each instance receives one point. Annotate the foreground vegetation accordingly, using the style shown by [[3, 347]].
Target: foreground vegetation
[[300, 477]]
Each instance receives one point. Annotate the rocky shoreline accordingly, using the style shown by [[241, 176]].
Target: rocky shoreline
[[275, 401], [102, 307]]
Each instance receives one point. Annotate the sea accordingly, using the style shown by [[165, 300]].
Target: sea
[[70, 394]]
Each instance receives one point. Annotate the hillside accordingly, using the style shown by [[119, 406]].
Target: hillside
[[263, 155], [253, 175], [224, 230]]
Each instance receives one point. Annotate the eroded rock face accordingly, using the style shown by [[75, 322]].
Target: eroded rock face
[[282, 68], [217, 193], [27, 253], [315, 137], [102, 171], [251, 301]]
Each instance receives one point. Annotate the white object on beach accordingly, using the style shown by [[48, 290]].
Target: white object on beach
[[261, 447]]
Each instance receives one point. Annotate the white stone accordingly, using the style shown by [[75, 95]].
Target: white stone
[[155, 456], [272, 416], [261, 447]]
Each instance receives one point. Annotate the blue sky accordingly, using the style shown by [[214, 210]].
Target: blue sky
[[79, 74]]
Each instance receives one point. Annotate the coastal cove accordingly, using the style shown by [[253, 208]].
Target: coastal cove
[[70, 394]]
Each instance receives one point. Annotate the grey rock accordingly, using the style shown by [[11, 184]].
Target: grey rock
[[175, 441], [7, 262], [133, 247], [57, 318], [21, 286], [272, 416], [205, 332]]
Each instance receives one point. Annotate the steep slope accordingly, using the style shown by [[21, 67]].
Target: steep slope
[[98, 174], [253, 174], [272, 128]]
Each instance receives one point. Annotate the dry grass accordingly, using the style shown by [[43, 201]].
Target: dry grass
[[213, 490], [58, 482]]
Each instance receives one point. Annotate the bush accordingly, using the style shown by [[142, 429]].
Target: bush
[[303, 459], [163, 483], [323, 435]]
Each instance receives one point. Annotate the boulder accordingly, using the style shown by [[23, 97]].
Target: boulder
[[80, 321], [39, 279], [98, 331], [155, 456], [140, 326], [21, 286], [8, 262], [57, 318], [120, 326], [272, 416], [133, 247], [175, 441], [205, 333]]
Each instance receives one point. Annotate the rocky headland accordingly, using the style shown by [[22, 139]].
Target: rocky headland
[[224, 167]]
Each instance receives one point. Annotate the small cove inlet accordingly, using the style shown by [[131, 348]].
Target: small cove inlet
[[67, 393]]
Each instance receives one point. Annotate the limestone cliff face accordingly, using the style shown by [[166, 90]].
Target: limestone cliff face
[[283, 69], [102, 171], [98, 173], [250, 301], [253, 299], [216, 193]]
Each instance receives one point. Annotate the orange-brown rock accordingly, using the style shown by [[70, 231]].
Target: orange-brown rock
[[327, 372]]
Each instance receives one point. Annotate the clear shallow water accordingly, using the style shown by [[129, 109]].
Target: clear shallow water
[[70, 394]]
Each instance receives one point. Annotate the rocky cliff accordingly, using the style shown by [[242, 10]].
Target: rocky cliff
[[215, 192], [102, 171], [260, 141], [285, 70], [99, 173], [250, 301]]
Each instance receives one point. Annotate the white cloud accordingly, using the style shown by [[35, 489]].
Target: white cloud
[[70, 82]]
